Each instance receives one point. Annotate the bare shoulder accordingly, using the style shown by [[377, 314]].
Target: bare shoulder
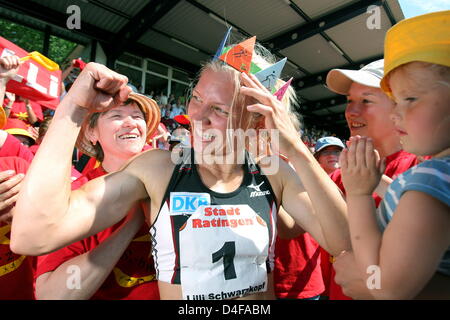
[[153, 167], [277, 171], [150, 163], [276, 166]]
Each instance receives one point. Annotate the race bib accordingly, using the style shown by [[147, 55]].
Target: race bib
[[223, 253]]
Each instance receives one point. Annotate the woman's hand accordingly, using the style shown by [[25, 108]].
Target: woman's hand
[[9, 66], [98, 88], [10, 183], [361, 167], [276, 116]]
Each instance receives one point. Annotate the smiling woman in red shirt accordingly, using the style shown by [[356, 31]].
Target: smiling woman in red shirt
[[115, 263]]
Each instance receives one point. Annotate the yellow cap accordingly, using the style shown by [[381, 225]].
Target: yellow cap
[[423, 38]]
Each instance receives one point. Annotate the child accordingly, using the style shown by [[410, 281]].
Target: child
[[410, 258]]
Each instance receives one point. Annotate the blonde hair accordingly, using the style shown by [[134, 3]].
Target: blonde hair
[[263, 59], [441, 72]]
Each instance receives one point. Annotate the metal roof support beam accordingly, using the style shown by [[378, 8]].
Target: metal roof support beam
[[141, 23], [47, 34], [144, 51], [302, 14], [209, 11], [59, 19], [389, 12], [316, 26]]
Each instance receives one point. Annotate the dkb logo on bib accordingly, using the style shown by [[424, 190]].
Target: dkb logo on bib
[[187, 202]]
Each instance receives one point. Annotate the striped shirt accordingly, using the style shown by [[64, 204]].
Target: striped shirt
[[431, 177]]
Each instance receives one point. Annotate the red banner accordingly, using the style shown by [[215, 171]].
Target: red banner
[[33, 81]]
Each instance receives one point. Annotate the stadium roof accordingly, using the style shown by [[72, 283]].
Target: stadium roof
[[315, 35]]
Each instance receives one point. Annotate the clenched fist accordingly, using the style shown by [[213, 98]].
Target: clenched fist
[[9, 66], [98, 88]]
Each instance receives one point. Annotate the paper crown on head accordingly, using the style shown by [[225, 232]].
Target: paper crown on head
[[222, 45], [269, 76], [240, 58], [280, 93]]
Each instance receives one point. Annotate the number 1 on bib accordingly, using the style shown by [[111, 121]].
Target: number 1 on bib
[[228, 252]]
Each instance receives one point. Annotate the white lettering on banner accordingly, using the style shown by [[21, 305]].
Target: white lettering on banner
[[53, 86], [32, 76], [7, 52], [32, 79]]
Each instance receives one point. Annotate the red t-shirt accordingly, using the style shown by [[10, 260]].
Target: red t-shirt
[[19, 110], [16, 271], [396, 163], [297, 273], [14, 148], [94, 163], [74, 175], [133, 277]]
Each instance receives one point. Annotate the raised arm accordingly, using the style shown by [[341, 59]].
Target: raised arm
[[310, 196], [32, 118], [48, 215], [9, 66]]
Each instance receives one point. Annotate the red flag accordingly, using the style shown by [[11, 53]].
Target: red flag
[[33, 81], [240, 56], [78, 63]]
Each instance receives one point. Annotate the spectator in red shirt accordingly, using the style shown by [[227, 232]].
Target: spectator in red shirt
[[28, 111], [115, 263], [16, 271], [20, 130], [297, 273], [367, 114], [9, 145]]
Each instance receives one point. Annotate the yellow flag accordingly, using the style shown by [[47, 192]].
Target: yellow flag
[[42, 60]]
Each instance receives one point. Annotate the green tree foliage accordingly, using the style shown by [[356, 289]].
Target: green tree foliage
[[60, 49], [33, 40]]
